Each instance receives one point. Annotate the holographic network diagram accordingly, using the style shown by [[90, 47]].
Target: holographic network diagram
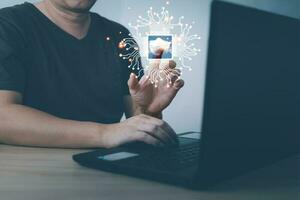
[[157, 37]]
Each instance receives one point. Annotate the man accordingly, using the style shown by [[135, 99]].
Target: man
[[63, 85]]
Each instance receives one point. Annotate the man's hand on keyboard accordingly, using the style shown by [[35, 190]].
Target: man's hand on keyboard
[[141, 128]]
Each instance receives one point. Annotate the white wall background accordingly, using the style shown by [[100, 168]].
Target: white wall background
[[185, 113]]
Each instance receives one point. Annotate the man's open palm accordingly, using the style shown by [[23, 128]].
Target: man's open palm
[[151, 98]]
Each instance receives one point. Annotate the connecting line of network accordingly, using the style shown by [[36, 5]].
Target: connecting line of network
[[159, 39], [134, 56]]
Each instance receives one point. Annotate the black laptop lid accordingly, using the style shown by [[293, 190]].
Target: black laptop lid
[[252, 99]]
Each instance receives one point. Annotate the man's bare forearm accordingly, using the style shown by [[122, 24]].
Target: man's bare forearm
[[21, 125]]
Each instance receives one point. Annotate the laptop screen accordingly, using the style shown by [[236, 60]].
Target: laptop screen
[[252, 99]]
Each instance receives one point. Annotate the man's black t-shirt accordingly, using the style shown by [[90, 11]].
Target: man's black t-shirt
[[57, 73]]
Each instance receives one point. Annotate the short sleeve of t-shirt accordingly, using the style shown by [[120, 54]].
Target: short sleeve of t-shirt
[[12, 73]]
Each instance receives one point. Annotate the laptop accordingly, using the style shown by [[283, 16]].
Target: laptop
[[251, 112]]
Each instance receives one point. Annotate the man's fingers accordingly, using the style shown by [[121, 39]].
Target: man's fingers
[[173, 74], [154, 64], [162, 64], [133, 82], [159, 133], [149, 139], [174, 77], [144, 81], [177, 71], [171, 132], [160, 129], [172, 64], [178, 84]]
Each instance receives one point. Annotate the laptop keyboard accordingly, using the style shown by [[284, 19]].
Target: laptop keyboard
[[167, 158]]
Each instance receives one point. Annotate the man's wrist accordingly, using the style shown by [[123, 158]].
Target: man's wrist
[[157, 115], [141, 110], [101, 132]]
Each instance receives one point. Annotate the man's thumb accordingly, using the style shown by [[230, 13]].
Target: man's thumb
[[133, 82]]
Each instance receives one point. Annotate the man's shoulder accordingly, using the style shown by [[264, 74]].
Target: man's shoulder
[[110, 25], [16, 15], [14, 11]]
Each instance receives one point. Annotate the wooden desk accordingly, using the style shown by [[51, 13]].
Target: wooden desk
[[38, 173]]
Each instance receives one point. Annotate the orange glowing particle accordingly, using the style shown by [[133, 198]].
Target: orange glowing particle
[[122, 45]]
